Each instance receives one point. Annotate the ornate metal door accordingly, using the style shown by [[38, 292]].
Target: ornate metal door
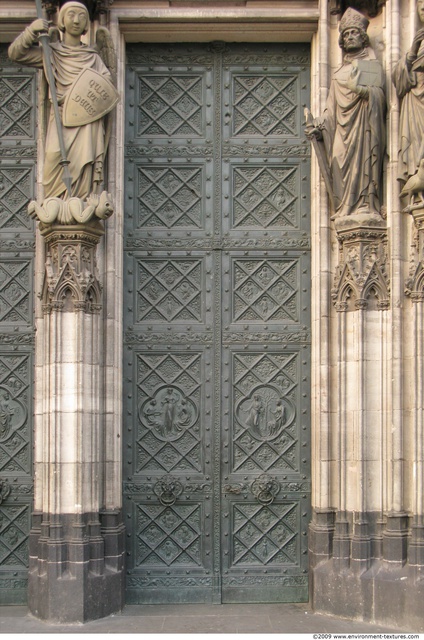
[[216, 363], [17, 179]]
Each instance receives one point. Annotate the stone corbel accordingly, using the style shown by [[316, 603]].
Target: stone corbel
[[414, 286], [361, 280], [71, 280]]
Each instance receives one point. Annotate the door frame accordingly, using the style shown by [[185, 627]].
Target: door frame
[[307, 23]]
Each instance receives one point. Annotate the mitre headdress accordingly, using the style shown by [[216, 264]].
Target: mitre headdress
[[352, 18]]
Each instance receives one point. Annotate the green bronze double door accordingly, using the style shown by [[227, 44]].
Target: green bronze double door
[[217, 323]]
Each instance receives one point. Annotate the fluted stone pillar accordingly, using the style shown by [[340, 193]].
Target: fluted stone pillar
[[76, 546], [366, 537]]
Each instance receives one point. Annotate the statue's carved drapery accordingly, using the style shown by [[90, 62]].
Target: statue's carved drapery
[[350, 143], [82, 93], [352, 127]]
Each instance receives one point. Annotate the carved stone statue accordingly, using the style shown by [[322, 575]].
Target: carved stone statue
[[85, 94], [352, 127], [408, 78]]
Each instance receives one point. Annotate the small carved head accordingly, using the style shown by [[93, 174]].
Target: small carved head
[[73, 15], [353, 31], [420, 9]]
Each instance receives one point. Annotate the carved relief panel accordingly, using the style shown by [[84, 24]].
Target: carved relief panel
[[17, 178], [217, 323]]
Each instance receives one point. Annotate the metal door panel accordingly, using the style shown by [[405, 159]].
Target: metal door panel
[[266, 492], [217, 323], [17, 179], [266, 274]]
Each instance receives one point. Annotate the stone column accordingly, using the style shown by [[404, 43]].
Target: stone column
[[76, 548], [415, 290]]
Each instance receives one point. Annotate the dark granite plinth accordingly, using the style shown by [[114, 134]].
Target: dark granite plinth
[[76, 571], [385, 589]]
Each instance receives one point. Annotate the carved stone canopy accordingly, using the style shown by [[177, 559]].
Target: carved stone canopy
[[95, 7], [370, 8]]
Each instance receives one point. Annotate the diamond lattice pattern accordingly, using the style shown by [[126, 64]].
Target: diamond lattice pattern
[[266, 290], [171, 106], [15, 191], [265, 106], [169, 290], [15, 450], [170, 197], [16, 104], [169, 535], [265, 535], [15, 286], [183, 372], [14, 527], [250, 372], [265, 197]]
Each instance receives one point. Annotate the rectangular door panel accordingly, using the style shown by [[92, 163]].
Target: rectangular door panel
[[18, 155], [217, 274]]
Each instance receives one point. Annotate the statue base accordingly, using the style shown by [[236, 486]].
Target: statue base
[[361, 279], [70, 211]]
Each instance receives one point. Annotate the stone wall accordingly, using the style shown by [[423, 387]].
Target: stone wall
[[366, 537], [366, 533]]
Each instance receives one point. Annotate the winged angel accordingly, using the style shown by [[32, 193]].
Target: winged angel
[[84, 77]]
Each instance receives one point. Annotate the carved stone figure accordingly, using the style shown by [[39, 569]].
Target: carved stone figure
[[353, 124], [85, 93], [408, 78], [6, 414]]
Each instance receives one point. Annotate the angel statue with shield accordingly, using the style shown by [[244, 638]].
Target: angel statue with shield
[[82, 93]]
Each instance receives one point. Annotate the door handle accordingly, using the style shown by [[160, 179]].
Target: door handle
[[167, 490], [265, 488]]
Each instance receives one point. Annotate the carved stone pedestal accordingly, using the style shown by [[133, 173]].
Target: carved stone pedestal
[[76, 546], [361, 279], [415, 283]]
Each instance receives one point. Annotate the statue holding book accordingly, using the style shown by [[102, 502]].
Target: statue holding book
[[408, 78], [82, 93], [350, 136]]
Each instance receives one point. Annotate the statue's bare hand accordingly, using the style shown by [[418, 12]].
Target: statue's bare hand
[[416, 43], [353, 80], [39, 26]]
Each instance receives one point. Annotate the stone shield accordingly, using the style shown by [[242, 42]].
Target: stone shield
[[91, 97]]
